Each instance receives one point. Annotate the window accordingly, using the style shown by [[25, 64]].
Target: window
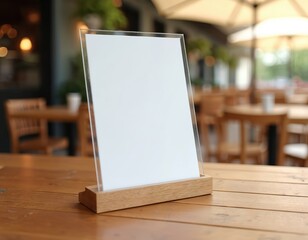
[[19, 43]]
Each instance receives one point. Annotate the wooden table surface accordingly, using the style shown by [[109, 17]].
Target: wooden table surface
[[296, 113], [300, 99], [38, 200], [50, 113]]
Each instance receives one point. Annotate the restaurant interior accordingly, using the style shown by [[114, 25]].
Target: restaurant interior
[[248, 95], [36, 63]]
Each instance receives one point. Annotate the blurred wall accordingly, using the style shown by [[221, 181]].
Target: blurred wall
[[65, 41]]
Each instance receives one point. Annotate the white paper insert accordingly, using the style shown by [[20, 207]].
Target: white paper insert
[[141, 107]]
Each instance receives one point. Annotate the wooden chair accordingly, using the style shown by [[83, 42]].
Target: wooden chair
[[231, 99], [298, 152], [281, 98], [279, 95], [235, 97], [243, 96], [28, 135], [84, 131], [297, 132], [211, 108], [246, 147]]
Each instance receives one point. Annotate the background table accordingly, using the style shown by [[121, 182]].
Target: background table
[[296, 114], [50, 113], [55, 114], [38, 200]]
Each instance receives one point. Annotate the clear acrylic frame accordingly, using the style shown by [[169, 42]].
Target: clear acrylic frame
[[96, 149]]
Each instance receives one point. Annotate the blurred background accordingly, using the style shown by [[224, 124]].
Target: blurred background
[[40, 50]]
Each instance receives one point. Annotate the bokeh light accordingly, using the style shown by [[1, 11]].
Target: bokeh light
[[25, 44], [33, 17], [5, 28], [12, 33], [3, 51]]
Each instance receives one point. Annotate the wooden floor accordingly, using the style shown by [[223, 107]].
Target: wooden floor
[[38, 200]]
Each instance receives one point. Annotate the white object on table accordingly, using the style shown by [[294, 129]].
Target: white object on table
[[73, 101], [268, 101]]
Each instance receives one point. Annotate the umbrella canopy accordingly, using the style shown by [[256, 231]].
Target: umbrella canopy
[[273, 34], [231, 13]]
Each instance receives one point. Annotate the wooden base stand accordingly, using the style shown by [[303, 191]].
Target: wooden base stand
[[132, 197]]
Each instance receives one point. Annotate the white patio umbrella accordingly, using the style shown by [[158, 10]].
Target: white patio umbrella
[[232, 14], [280, 33], [275, 34]]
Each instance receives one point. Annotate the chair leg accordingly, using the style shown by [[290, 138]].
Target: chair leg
[[229, 158], [219, 157], [48, 151], [204, 140], [259, 159], [302, 163]]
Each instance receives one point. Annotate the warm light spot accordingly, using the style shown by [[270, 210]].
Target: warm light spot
[[210, 61], [12, 33], [81, 25], [193, 56], [33, 17], [117, 3], [3, 51], [25, 44], [5, 28]]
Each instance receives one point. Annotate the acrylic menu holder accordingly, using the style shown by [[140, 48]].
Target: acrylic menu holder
[[146, 141]]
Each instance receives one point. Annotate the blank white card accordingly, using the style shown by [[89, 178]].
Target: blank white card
[[141, 105]]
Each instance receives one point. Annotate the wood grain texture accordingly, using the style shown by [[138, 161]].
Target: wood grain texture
[[273, 188], [301, 178], [254, 168], [39, 200], [87, 225], [245, 218], [252, 201], [139, 196]]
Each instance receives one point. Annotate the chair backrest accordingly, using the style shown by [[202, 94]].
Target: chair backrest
[[20, 127], [211, 108], [84, 130], [279, 119], [243, 96], [212, 104], [231, 98], [279, 95], [235, 96]]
